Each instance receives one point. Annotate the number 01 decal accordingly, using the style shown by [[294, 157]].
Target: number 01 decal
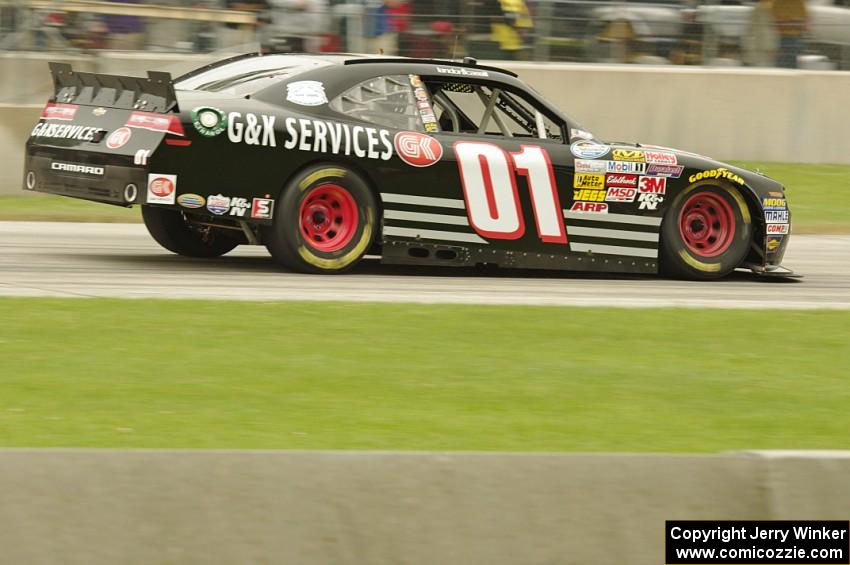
[[488, 175]]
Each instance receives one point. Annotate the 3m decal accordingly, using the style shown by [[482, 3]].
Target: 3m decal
[[218, 204], [621, 195], [490, 190], [585, 166], [652, 185], [776, 216], [209, 121], [75, 168], [251, 130], [161, 188], [619, 180], [592, 207], [625, 167], [777, 228], [191, 200], [628, 155], [320, 136], [585, 149], [306, 93], [460, 71], [417, 149], [262, 208], [649, 201], [672, 171], [589, 195], [589, 180], [716, 174], [660, 157], [65, 131]]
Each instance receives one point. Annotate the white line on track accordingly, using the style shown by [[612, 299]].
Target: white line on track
[[121, 260]]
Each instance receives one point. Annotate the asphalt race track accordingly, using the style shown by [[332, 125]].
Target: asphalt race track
[[121, 260]]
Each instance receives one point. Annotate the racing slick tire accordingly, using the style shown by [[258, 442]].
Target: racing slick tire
[[170, 229], [706, 233], [325, 221]]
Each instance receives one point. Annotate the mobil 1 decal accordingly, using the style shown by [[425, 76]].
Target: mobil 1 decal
[[488, 176]]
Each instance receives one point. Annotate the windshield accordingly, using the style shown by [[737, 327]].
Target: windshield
[[246, 76]]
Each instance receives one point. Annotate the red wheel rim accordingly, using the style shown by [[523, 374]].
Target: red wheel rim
[[707, 224], [328, 217]]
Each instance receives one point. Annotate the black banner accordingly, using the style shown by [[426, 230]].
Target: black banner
[[746, 542]]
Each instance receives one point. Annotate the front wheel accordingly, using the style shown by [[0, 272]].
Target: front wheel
[[706, 233], [324, 221], [171, 230]]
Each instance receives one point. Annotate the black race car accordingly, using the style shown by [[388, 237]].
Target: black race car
[[324, 159]]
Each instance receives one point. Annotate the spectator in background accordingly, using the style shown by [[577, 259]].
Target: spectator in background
[[760, 39], [389, 18], [791, 19], [126, 33], [295, 26], [510, 25]]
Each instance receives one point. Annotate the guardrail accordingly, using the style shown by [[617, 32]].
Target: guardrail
[[105, 507]]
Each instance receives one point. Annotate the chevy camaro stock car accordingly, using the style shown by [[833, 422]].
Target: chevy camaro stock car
[[325, 158]]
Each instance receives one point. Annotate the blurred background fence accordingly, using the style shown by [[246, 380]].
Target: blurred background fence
[[813, 34]]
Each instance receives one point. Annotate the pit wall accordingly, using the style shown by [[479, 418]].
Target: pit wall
[[742, 114], [148, 507]]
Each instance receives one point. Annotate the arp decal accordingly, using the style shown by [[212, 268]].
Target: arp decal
[[488, 176], [119, 138], [161, 188], [417, 149], [590, 207]]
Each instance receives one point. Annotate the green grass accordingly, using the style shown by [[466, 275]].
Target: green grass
[[195, 374], [819, 196]]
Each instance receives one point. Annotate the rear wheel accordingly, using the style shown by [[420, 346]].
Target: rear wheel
[[324, 222], [706, 233], [171, 230]]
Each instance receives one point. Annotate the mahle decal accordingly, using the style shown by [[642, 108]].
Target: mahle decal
[[208, 121]]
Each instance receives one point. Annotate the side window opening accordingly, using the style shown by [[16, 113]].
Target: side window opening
[[395, 101], [485, 110]]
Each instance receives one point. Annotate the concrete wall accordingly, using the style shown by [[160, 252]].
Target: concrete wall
[[744, 114], [148, 507]]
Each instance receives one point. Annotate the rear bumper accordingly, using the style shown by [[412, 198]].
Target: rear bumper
[[90, 176]]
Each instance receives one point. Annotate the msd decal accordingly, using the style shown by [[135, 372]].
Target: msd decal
[[652, 185], [161, 189], [621, 195], [417, 149]]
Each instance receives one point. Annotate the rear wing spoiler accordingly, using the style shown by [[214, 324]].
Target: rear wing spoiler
[[152, 94]]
